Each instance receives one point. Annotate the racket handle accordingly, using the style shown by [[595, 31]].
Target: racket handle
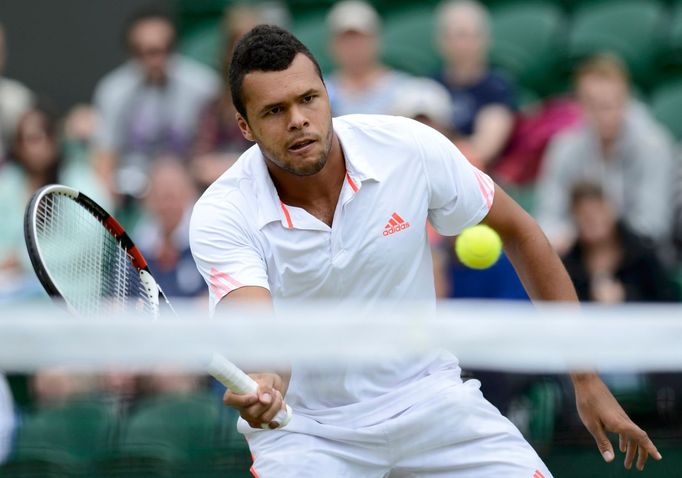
[[238, 382]]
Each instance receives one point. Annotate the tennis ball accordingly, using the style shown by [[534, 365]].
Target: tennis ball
[[478, 247]]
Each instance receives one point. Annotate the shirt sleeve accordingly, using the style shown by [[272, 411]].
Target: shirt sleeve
[[225, 251], [460, 195]]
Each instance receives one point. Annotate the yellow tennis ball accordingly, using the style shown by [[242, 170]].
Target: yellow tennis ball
[[478, 247]]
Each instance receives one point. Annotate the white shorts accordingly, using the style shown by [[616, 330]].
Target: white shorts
[[456, 434]]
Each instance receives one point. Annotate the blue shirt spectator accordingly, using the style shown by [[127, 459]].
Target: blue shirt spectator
[[468, 100], [483, 99]]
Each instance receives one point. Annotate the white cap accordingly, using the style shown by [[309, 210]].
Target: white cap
[[353, 15], [425, 97]]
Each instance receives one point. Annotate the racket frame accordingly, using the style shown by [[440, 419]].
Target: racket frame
[[106, 219], [220, 368]]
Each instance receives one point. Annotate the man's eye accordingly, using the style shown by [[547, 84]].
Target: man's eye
[[308, 99], [275, 110]]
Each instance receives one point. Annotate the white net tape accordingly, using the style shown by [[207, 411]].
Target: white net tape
[[500, 336]]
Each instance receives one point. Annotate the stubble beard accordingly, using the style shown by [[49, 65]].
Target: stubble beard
[[309, 169]]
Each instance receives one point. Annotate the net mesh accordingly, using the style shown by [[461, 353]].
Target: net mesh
[[89, 266], [127, 397]]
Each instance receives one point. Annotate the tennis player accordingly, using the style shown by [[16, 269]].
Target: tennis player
[[337, 208]]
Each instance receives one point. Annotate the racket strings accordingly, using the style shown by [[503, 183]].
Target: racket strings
[[93, 270]]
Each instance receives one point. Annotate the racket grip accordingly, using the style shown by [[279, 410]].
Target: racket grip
[[238, 382]]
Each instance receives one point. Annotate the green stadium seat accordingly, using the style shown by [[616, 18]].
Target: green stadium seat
[[311, 29], [529, 43], [573, 5], [583, 460], [408, 40], [204, 43], [172, 427], [201, 6], [178, 435], [62, 440], [666, 104], [672, 58], [632, 29], [544, 403]]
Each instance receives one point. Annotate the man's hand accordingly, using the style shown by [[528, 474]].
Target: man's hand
[[601, 413], [260, 408]]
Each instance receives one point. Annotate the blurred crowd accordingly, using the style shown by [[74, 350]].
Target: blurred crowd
[[602, 173]]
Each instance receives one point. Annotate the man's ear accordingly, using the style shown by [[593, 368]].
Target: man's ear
[[244, 127]]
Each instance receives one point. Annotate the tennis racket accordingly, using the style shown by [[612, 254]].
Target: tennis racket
[[84, 259]]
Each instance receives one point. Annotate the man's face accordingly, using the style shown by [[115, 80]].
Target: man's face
[[464, 40], [289, 116], [35, 148], [594, 219], [354, 50], [151, 42], [171, 192], [604, 101]]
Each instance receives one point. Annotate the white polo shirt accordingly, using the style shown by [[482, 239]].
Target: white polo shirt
[[400, 174]]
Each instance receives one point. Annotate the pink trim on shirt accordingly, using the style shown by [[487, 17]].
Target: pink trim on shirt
[[487, 190], [353, 186], [222, 283], [290, 224]]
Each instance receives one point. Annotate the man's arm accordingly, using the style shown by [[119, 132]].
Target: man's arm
[[545, 279], [261, 407], [492, 129]]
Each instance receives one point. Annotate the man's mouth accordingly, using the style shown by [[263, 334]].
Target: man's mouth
[[301, 145]]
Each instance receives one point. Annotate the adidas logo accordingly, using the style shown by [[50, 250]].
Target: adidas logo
[[395, 224]]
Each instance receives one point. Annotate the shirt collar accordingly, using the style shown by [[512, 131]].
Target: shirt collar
[[357, 163], [270, 207], [268, 203]]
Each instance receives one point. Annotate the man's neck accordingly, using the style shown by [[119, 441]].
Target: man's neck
[[465, 73], [361, 79], [316, 193]]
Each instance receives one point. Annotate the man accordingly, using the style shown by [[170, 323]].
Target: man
[[310, 212], [150, 105], [483, 98], [619, 146], [163, 236], [360, 84]]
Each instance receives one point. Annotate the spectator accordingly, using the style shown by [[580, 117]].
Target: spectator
[[77, 169], [608, 262], [361, 84], [54, 386], [35, 162], [6, 419], [427, 101], [163, 237], [150, 104], [15, 99], [219, 141], [620, 146], [483, 100]]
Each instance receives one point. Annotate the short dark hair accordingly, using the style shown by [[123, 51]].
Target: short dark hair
[[264, 48], [584, 190]]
